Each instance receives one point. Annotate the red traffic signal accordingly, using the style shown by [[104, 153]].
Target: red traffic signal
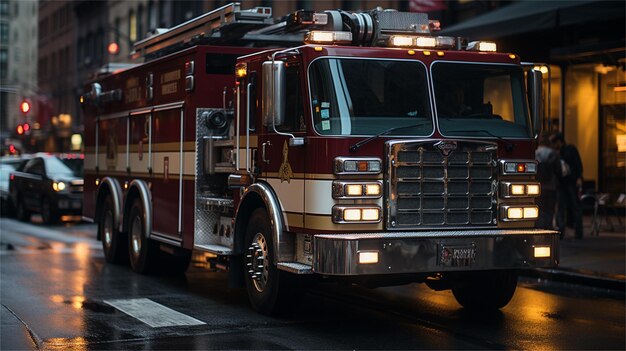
[[20, 129], [113, 48], [26, 127], [25, 106]]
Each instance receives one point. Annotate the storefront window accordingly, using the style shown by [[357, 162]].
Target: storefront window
[[613, 137]]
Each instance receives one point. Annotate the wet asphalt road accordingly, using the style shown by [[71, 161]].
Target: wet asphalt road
[[54, 282]]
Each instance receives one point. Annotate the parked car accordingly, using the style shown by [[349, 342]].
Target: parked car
[[46, 185], [8, 164]]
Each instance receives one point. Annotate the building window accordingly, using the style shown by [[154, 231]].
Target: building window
[[4, 58], [140, 32], [4, 33], [152, 16], [4, 7], [132, 26]]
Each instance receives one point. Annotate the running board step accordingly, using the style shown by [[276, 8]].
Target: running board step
[[215, 249], [295, 267]]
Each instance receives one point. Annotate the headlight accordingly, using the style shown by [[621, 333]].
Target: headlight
[[365, 214], [510, 189], [350, 190], [357, 165], [519, 213], [58, 186], [521, 167]]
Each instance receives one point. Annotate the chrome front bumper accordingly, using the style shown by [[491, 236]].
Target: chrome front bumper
[[421, 252]]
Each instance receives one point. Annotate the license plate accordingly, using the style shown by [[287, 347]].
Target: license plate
[[457, 256]]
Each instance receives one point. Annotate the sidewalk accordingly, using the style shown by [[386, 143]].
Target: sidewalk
[[595, 260]]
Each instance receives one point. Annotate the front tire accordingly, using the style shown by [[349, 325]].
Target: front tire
[[489, 290], [22, 213], [48, 212], [113, 242], [265, 284], [143, 252]]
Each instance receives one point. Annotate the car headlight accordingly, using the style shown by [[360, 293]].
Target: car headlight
[[58, 186]]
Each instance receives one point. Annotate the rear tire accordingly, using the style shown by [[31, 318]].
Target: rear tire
[[143, 252], [489, 290], [113, 242], [266, 285], [48, 212], [21, 212]]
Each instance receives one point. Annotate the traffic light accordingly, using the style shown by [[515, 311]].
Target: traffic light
[[20, 129], [113, 48], [25, 106]]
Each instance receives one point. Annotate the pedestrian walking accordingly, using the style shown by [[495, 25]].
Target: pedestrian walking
[[571, 181], [548, 174]]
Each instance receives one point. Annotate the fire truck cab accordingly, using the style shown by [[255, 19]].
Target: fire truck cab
[[360, 147]]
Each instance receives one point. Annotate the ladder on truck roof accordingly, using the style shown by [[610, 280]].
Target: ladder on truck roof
[[227, 25]]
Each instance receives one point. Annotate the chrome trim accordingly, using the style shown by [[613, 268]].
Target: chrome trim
[[337, 213], [155, 108], [295, 267], [339, 187], [140, 111], [145, 198], [170, 106], [341, 159], [116, 193], [87, 219], [234, 181], [419, 252], [97, 145], [248, 167], [237, 126], [505, 188], [181, 172], [503, 172], [428, 86], [160, 237], [281, 246], [503, 211], [128, 144]]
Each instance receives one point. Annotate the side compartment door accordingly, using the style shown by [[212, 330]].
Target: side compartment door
[[282, 165], [167, 170]]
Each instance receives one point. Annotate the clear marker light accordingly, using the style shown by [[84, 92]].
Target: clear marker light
[[368, 257]]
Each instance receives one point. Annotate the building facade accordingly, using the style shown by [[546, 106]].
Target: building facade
[[57, 97], [18, 48]]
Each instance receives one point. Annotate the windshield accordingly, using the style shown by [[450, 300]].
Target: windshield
[[56, 168], [480, 100], [366, 97]]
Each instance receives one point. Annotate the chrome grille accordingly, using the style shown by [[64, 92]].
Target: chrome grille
[[428, 187]]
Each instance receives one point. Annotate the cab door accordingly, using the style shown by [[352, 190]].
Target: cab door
[[282, 161]]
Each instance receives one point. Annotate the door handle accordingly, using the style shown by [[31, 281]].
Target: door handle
[[267, 143]]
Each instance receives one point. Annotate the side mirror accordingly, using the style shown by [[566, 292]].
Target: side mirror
[[273, 93], [535, 99]]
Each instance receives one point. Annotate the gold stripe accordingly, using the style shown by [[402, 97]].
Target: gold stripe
[[324, 176], [254, 141], [325, 222], [295, 219]]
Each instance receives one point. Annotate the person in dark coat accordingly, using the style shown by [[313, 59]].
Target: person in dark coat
[[548, 174], [571, 182]]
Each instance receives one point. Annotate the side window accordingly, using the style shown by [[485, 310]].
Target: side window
[[34, 166], [294, 109]]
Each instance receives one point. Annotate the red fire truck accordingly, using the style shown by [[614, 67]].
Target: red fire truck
[[352, 146]]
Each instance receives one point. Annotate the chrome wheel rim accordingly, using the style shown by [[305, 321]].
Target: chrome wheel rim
[[108, 229], [257, 262], [135, 236]]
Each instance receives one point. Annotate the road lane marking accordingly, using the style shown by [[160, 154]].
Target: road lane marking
[[152, 313]]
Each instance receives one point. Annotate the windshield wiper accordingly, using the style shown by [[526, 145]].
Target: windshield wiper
[[509, 145], [356, 146]]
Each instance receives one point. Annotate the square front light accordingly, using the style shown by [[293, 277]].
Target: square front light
[[541, 251], [401, 40], [370, 214], [531, 167], [354, 190], [350, 166], [373, 166], [368, 257], [518, 189], [514, 213], [372, 189], [533, 189], [531, 212], [352, 214], [510, 167]]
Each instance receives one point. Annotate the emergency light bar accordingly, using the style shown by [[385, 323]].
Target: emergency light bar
[[482, 46], [421, 41], [328, 37]]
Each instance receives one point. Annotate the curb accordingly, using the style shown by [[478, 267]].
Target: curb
[[581, 277]]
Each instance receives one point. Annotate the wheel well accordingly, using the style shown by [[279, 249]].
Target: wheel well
[[132, 195], [251, 203], [101, 197]]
